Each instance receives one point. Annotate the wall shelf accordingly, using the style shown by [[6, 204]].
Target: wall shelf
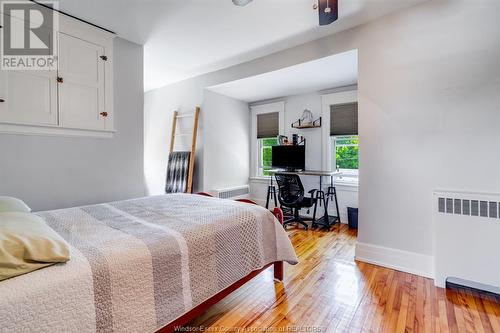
[[314, 124]]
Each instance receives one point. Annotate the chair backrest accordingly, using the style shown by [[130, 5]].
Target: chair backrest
[[291, 190]]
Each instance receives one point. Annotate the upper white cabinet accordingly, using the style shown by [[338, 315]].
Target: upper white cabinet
[[28, 97], [76, 99], [81, 84]]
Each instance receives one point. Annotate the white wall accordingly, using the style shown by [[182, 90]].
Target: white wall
[[429, 78], [226, 151], [159, 106], [56, 172], [294, 107]]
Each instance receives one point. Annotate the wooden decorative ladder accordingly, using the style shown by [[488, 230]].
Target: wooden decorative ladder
[[196, 115]]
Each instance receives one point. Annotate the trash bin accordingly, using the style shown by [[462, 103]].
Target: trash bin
[[352, 217]]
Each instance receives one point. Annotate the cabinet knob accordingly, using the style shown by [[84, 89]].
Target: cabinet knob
[[60, 79], [2, 100], [104, 114]]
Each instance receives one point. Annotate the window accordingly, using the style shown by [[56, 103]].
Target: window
[[346, 153], [266, 155], [267, 122], [345, 140]]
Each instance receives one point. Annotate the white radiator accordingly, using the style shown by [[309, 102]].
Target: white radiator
[[237, 192], [467, 239]]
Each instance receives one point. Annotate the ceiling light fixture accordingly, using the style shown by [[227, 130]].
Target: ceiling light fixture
[[241, 2], [328, 11]]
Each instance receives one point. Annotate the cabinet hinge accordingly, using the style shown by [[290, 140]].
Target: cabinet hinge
[[60, 79], [103, 57]]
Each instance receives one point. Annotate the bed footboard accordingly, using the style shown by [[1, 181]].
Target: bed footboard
[[201, 308]]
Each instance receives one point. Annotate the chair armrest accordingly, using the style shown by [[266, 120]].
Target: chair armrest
[[311, 192]]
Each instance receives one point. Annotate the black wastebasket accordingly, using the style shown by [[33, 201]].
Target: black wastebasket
[[352, 217]]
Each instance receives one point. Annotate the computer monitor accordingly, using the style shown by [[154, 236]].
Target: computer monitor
[[289, 157]]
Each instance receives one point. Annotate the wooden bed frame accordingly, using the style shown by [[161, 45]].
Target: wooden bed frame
[[201, 308]]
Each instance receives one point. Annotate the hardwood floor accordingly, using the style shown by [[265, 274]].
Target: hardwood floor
[[330, 292]]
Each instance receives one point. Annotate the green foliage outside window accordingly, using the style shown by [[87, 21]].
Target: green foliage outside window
[[267, 154], [347, 152]]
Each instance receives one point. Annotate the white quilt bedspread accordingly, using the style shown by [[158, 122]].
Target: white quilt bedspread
[[137, 265]]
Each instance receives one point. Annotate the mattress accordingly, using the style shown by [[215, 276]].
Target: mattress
[[136, 265]]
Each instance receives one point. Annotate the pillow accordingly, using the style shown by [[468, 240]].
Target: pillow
[[10, 204], [27, 244]]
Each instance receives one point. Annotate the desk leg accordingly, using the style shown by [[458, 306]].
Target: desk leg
[[327, 217], [320, 186], [269, 192], [275, 198], [267, 200]]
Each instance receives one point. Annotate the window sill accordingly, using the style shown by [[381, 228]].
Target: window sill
[[260, 179], [346, 183]]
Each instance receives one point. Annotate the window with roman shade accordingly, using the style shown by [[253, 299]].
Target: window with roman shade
[[345, 140], [344, 119], [268, 125]]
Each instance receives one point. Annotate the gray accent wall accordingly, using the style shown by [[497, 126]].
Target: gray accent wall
[[51, 172]]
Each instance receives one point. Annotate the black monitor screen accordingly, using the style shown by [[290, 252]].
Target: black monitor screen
[[289, 157]]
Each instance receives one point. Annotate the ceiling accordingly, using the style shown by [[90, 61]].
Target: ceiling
[[330, 72], [185, 38]]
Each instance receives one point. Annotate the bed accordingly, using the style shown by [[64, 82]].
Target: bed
[[144, 265]]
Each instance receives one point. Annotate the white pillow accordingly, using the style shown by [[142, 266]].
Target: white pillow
[[10, 204], [27, 243]]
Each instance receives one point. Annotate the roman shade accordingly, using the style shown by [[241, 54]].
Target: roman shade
[[344, 119], [268, 125]]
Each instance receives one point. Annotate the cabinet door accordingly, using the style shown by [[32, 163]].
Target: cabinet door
[[28, 97], [81, 92]]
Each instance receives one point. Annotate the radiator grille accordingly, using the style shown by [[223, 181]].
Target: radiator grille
[[469, 207], [233, 192]]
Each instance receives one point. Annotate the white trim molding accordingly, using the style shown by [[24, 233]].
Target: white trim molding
[[404, 261], [328, 100]]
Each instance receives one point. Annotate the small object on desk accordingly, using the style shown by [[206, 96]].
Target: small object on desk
[[282, 140]]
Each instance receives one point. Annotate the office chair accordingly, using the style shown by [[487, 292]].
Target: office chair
[[291, 198]]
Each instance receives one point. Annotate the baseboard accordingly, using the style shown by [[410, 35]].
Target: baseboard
[[409, 262]]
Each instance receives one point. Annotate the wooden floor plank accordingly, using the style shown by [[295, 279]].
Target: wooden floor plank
[[328, 291]]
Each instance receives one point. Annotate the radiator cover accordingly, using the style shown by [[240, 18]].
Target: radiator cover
[[467, 239], [237, 192]]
